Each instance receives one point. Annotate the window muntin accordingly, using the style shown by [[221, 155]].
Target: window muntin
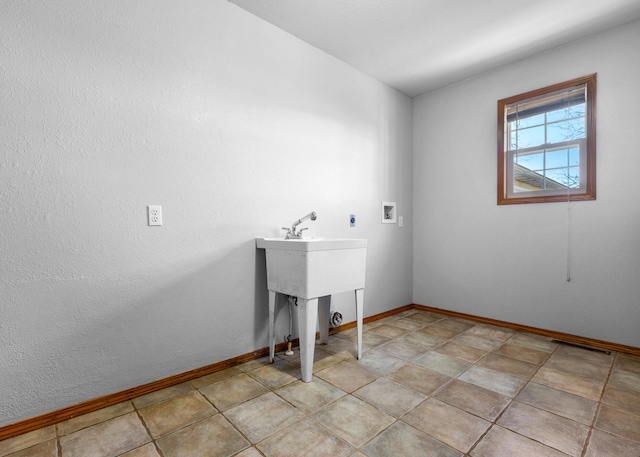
[[546, 144]]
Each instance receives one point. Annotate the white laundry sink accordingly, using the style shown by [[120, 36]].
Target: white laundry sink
[[312, 269]]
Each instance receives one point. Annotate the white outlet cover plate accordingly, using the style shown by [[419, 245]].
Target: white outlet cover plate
[[154, 213]]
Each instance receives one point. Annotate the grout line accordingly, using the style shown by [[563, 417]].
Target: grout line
[[599, 407]]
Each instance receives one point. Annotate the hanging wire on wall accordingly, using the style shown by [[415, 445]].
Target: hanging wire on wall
[[568, 220], [568, 237]]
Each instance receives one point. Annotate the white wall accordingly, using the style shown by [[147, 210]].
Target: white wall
[[510, 262], [234, 127]]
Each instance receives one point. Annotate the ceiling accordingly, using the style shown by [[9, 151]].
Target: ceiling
[[420, 45]]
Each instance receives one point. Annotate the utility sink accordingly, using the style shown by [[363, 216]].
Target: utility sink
[[312, 269]]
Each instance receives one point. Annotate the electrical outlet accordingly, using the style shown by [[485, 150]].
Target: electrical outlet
[[352, 220], [155, 214]]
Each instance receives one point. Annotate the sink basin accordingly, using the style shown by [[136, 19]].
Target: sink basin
[[314, 267]]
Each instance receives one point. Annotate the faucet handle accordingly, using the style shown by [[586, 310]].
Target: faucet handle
[[301, 230]]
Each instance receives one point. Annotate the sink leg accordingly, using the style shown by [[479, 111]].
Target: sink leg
[[272, 323], [324, 309], [359, 313], [307, 322]]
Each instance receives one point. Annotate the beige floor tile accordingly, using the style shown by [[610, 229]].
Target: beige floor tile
[[439, 331], [310, 396], [148, 450], [522, 353], [175, 413], [476, 341], [211, 437], [500, 442], [627, 363], [549, 429], [233, 391], [568, 382], [628, 400], [489, 331], [508, 365], [455, 324], [569, 364], [603, 444], [409, 324], [46, 449], [461, 351], [344, 348], [418, 378], [559, 402], [619, 422], [323, 357], [263, 416], [586, 355], [87, 420], [403, 440], [324, 360], [373, 340], [423, 339], [390, 331], [389, 319], [347, 375], [348, 334], [353, 420], [473, 399], [215, 377], [389, 396], [160, 395], [626, 380], [106, 439], [251, 452], [443, 364], [403, 349], [425, 316], [502, 383], [308, 439], [539, 343], [276, 374], [380, 363], [253, 364], [452, 426], [26, 440]]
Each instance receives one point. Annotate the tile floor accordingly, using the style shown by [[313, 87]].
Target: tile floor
[[427, 385]]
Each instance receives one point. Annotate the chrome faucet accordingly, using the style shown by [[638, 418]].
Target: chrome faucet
[[291, 232]]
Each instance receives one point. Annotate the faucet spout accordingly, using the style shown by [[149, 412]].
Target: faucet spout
[[291, 233], [311, 215]]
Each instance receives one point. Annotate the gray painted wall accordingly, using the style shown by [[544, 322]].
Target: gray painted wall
[[234, 127], [510, 262]]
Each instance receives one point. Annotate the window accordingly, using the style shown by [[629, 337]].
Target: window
[[547, 144]]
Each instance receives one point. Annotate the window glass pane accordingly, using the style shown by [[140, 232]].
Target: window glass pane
[[530, 137], [530, 121], [531, 161], [565, 131], [563, 177], [558, 158], [574, 156], [566, 113]]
